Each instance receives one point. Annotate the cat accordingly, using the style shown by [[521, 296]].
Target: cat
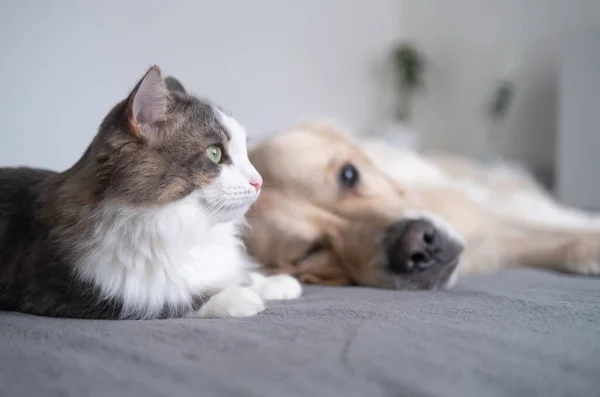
[[145, 225]]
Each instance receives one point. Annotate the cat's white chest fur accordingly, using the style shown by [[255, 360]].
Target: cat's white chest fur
[[153, 258]]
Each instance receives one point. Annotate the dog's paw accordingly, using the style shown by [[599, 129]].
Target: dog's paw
[[279, 287], [585, 268], [233, 302], [583, 257]]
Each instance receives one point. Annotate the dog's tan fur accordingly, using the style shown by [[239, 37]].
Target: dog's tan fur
[[304, 224]]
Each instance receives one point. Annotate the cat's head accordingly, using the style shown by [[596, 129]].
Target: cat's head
[[161, 145]]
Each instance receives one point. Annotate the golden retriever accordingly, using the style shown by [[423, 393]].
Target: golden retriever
[[341, 211]]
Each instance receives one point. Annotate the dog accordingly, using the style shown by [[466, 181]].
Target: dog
[[339, 210]]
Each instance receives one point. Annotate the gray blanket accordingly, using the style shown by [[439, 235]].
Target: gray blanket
[[515, 333]]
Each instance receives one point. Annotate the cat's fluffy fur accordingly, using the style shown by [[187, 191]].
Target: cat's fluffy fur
[[160, 258], [145, 225]]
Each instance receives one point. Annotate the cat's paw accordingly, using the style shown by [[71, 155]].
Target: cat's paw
[[233, 302], [279, 287]]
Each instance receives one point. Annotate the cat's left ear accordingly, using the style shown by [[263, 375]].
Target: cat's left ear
[[174, 85], [147, 105]]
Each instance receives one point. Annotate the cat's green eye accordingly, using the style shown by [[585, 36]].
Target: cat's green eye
[[214, 153]]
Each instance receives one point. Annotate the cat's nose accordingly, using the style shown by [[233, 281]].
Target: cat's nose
[[256, 182]]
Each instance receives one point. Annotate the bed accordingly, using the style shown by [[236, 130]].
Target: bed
[[516, 333]]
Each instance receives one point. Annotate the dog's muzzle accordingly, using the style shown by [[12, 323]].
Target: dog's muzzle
[[420, 254]]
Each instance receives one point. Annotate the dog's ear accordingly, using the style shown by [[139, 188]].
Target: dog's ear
[[280, 229], [282, 234], [321, 268]]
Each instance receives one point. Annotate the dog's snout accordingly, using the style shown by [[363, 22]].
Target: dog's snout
[[416, 246], [421, 245], [413, 246]]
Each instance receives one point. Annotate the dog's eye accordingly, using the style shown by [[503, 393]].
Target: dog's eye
[[349, 175]]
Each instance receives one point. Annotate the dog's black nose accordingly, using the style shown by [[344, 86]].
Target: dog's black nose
[[413, 246]]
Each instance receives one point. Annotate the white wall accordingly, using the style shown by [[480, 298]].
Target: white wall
[[64, 63], [468, 43], [578, 137]]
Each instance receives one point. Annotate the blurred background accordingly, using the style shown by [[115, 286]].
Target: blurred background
[[513, 80]]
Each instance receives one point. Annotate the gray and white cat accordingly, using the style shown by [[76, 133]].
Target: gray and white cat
[[145, 225]]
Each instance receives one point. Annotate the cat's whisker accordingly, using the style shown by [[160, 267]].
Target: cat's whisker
[[215, 209]]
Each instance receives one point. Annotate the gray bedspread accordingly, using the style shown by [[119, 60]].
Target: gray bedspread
[[517, 333]]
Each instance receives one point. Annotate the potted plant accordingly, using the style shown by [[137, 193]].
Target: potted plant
[[409, 67], [497, 110]]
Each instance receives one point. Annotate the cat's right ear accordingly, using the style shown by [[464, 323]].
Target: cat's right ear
[[174, 85], [147, 105]]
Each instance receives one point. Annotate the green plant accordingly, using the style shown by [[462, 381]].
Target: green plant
[[497, 109], [501, 100], [409, 65]]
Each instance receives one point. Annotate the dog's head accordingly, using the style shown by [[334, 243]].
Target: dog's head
[[328, 215]]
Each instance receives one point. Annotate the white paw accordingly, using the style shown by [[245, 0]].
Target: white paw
[[233, 302], [279, 287]]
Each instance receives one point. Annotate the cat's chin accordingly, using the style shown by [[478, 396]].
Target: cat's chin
[[229, 213]]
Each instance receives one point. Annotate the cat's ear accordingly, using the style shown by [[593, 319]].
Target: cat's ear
[[174, 85], [147, 105]]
